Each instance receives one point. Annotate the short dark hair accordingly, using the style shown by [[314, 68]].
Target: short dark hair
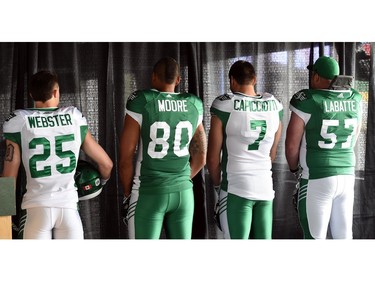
[[242, 71], [167, 70], [41, 85]]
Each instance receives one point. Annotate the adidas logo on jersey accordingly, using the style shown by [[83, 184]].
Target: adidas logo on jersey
[[224, 97], [10, 116]]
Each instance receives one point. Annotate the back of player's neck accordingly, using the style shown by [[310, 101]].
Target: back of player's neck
[[247, 93], [166, 89], [47, 104]]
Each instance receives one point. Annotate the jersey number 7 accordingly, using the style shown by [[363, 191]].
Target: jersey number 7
[[254, 124]]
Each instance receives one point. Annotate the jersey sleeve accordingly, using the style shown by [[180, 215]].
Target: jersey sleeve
[[134, 106], [357, 98], [222, 106], [80, 119], [13, 125], [280, 108], [199, 106], [302, 104]]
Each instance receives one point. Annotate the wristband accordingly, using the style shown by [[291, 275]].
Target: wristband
[[295, 170]]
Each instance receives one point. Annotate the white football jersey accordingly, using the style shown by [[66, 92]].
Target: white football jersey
[[249, 126], [50, 141]]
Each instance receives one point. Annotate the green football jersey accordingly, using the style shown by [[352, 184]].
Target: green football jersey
[[331, 121], [168, 122]]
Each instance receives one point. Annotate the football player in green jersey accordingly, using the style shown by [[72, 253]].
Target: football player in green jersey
[[47, 139], [244, 134], [322, 132], [167, 131]]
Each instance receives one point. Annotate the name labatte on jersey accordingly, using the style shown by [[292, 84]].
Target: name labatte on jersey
[[337, 101]]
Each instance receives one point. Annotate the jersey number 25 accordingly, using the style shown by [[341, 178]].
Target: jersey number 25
[[45, 143]]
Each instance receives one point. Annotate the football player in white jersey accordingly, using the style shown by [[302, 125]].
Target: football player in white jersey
[[244, 134], [47, 140]]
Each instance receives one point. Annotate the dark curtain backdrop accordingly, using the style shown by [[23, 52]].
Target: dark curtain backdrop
[[98, 78]]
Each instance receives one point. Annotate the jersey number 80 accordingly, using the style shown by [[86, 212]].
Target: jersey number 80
[[164, 140]]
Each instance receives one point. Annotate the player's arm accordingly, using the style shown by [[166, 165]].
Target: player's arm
[[128, 145], [215, 142], [276, 141], [198, 150], [294, 133], [12, 160], [98, 154]]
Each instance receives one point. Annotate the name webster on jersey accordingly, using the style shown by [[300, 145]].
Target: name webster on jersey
[[49, 121], [340, 106]]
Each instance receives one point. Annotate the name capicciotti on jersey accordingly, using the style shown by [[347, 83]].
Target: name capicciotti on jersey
[[50, 141], [249, 126], [168, 122], [331, 120]]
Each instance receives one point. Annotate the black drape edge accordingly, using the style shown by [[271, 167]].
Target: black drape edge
[[370, 133], [311, 61], [111, 146], [194, 69], [321, 49], [340, 49], [19, 87], [200, 222], [21, 70], [15, 66]]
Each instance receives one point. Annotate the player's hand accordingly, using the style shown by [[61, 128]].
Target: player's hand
[[125, 208], [297, 172]]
